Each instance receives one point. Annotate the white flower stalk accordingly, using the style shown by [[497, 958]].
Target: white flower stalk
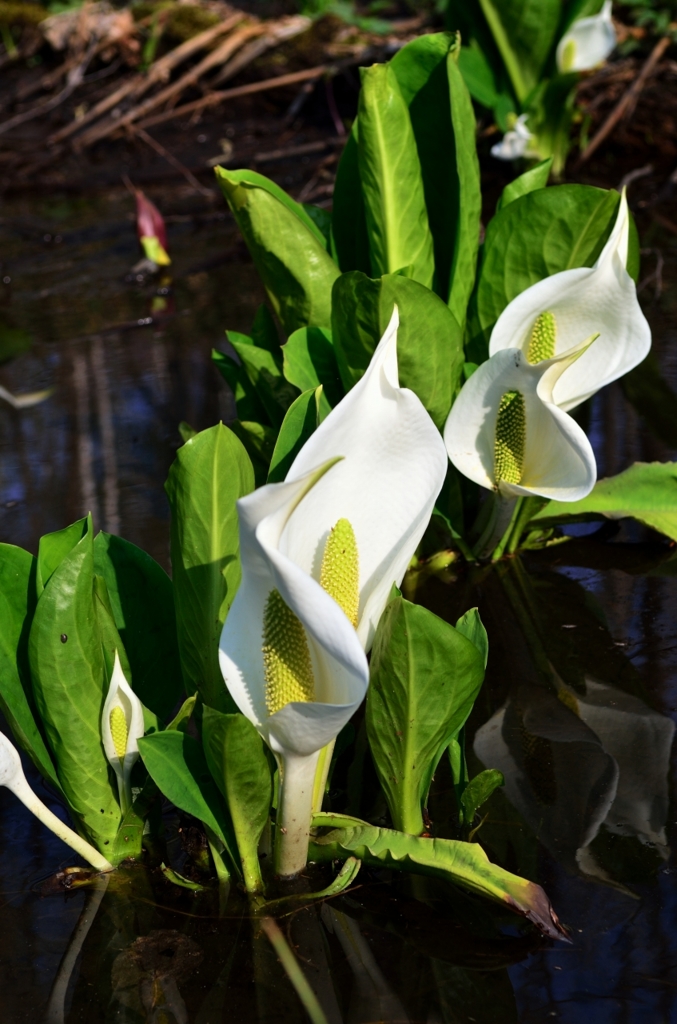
[[587, 43], [506, 433], [320, 553], [12, 776], [121, 728], [515, 143], [552, 316]]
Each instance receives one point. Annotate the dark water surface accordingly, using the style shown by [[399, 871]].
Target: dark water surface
[[588, 808]]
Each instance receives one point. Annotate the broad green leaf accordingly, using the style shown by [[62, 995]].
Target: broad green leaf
[[465, 864], [239, 766], [392, 183], [524, 32], [209, 474], [536, 177], [300, 422], [310, 360], [472, 627], [177, 765], [466, 234], [424, 678], [264, 332], [478, 75], [265, 374], [349, 218], [646, 491], [142, 601], [69, 684], [53, 548], [182, 717], [247, 402], [478, 792], [17, 606], [321, 218], [362, 309], [540, 234], [287, 248]]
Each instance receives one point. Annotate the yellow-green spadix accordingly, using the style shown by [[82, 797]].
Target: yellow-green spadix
[[121, 727], [505, 432], [327, 544], [557, 313], [12, 776]]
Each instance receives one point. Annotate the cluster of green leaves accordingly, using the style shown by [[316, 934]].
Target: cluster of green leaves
[[404, 230], [508, 63]]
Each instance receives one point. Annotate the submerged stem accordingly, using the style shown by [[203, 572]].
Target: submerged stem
[[297, 778], [500, 547], [500, 518]]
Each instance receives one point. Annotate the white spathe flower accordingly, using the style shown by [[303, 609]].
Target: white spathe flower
[[515, 142], [552, 315], [12, 776], [505, 432], [121, 727], [587, 43], [320, 553]]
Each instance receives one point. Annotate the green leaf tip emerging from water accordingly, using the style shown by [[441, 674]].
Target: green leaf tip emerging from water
[[465, 864]]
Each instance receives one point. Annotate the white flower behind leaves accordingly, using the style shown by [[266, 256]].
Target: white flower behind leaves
[[553, 315], [505, 432], [516, 141], [587, 43], [121, 728]]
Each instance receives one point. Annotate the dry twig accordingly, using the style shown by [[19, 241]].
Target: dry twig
[[627, 102], [174, 161]]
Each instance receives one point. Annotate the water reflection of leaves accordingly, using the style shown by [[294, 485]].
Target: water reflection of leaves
[[145, 976]]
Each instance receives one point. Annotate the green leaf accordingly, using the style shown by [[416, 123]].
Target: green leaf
[[392, 184], [142, 602], [239, 766], [349, 218], [465, 864], [182, 717], [287, 247], [247, 402], [424, 678], [536, 177], [310, 360], [478, 76], [177, 765], [209, 474], [478, 792], [264, 332], [53, 548], [259, 443], [362, 309], [646, 491], [472, 627], [69, 685], [265, 375], [524, 32], [466, 234], [300, 422], [17, 606], [540, 234]]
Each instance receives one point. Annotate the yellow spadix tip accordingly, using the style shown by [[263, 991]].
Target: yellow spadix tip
[[119, 731], [340, 573], [287, 668], [511, 430]]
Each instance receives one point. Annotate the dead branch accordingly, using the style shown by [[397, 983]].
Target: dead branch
[[214, 98], [158, 72], [174, 161], [627, 102], [218, 56]]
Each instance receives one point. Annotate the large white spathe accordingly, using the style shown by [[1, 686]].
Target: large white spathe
[[12, 776], [122, 701], [587, 43], [584, 301], [377, 461], [558, 459]]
